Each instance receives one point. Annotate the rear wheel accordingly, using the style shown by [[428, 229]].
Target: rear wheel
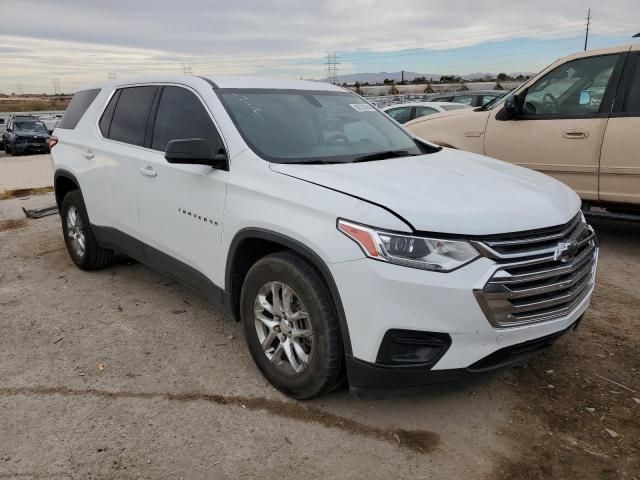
[[290, 326], [82, 246], [7, 149]]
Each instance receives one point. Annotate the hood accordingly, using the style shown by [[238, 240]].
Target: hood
[[450, 191]]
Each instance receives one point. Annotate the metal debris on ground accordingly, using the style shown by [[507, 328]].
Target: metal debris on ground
[[40, 212]]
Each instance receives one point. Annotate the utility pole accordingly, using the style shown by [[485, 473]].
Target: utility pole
[[586, 36], [402, 78], [187, 70], [56, 86], [332, 67], [20, 88]]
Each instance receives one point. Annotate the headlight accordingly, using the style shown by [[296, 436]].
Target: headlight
[[435, 254]]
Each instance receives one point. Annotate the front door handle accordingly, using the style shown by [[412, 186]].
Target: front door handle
[[576, 133], [148, 171], [88, 154]]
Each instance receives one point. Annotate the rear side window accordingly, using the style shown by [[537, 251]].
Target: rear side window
[[632, 102], [129, 121], [79, 104], [182, 115], [466, 99], [422, 111], [107, 116], [400, 114]]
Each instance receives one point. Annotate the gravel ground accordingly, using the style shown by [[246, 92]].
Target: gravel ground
[[124, 374]]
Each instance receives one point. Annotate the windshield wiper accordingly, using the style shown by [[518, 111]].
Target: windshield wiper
[[310, 162], [384, 155]]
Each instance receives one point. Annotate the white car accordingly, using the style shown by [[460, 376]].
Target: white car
[[344, 244], [51, 121], [405, 112]]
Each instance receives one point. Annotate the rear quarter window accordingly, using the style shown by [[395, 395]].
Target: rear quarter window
[[129, 120], [77, 108]]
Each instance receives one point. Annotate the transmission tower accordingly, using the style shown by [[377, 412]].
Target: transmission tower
[[187, 70], [56, 86], [332, 67], [19, 88], [112, 75]]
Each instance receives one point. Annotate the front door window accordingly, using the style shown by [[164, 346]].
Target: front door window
[[574, 88]]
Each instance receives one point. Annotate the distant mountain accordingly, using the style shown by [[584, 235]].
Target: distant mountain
[[409, 76]]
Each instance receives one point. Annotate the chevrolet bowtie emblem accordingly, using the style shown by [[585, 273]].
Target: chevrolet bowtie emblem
[[565, 251]]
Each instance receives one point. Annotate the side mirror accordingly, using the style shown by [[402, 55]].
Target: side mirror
[[585, 98], [511, 106], [9, 129], [193, 151]]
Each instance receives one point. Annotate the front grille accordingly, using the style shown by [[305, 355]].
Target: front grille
[[544, 275], [31, 140]]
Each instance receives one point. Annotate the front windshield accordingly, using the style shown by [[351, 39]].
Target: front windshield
[[36, 127], [300, 126]]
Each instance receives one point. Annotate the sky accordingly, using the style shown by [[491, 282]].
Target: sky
[[78, 42]]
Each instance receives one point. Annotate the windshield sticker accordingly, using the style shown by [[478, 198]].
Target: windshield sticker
[[362, 107]]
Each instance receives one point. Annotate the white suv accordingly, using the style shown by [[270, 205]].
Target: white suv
[[344, 244]]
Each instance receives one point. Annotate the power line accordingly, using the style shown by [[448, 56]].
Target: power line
[[586, 36], [20, 88], [56, 86]]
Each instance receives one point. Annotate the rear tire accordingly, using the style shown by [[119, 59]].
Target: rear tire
[[302, 325], [7, 149], [81, 244]]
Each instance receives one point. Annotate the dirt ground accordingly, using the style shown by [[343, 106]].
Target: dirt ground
[[124, 374], [32, 104], [24, 172]]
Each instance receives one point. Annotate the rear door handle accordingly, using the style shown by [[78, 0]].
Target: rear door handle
[[575, 133], [88, 154], [148, 171]]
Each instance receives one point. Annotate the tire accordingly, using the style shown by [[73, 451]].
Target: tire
[[308, 294], [7, 149], [92, 256]]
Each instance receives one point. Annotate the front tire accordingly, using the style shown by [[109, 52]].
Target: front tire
[[291, 326], [81, 244]]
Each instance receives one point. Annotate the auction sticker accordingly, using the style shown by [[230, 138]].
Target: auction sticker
[[362, 107]]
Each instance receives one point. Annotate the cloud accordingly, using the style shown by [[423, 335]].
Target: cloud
[[81, 40]]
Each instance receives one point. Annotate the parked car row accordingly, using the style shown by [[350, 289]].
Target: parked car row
[[477, 98], [406, 112], [25, 134]]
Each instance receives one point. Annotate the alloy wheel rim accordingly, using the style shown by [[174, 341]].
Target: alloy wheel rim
[[75, 231], [284, 328]]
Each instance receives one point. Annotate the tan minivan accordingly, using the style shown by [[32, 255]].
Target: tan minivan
[[577, 120]]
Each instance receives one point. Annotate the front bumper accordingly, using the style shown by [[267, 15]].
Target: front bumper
[[29, 147], [374, 380], [378, 297]]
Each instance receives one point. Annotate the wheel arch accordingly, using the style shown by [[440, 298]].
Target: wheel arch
[[251, 244], [64, 182]]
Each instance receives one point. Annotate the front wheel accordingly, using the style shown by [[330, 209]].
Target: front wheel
[[290, 326], [82, 246]]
